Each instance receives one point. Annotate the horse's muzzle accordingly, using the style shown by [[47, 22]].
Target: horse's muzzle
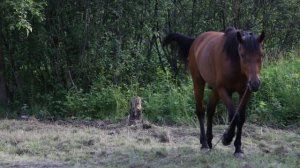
[[254, 85]]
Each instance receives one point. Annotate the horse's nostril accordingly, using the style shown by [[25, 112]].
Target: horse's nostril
[[254, 85]]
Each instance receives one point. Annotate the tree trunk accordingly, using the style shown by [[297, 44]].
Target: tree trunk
[[3, 92], [224, 16], [85, 32], [193, 17]]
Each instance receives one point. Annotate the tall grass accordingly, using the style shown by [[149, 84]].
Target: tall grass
[[278, 101], [165, 101]]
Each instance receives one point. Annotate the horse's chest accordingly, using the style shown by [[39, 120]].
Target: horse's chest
[[235, 82]]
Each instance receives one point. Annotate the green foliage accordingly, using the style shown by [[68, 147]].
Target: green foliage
[[277, 102], [18, 13], [101, 104], [87, 58], [169, 104], [163, 101]]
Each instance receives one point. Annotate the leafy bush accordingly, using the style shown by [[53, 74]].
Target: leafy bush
[[163, 101], [105, 103], [278, 101], [170, 101]]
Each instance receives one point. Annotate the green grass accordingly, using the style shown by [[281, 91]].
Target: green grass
[[277, 102], [169, 101], [61, 144]]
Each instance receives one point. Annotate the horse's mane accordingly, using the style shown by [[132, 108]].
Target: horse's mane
[[231, 43]]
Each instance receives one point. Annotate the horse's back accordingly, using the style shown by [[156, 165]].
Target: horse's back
[[205, 55]]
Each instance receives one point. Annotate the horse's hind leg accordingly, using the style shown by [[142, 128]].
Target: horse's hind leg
[[199, 84], [211, 107]]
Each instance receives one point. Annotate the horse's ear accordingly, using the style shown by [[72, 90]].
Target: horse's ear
[[239, 37], [261, 37]]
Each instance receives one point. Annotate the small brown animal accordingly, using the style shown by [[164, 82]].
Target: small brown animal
[[135, 112]]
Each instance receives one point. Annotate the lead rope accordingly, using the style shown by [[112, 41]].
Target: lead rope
[[238, 109]]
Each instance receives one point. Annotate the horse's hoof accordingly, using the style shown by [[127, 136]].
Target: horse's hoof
[[210, 145], [205, 150], [226, 142], [239, 155]]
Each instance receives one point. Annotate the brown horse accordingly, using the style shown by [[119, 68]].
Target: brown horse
[[228, 62]]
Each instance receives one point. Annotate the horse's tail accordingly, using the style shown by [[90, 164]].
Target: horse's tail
[[183, 42]]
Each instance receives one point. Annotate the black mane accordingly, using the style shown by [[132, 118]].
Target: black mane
[[231, 44]]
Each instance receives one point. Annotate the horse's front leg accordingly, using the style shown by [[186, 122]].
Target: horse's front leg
[[241, 120], [230, 133], [237, 143]]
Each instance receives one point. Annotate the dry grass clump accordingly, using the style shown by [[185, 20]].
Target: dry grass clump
[[67, 144]]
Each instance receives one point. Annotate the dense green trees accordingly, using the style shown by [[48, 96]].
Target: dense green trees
[[49, 47], [15, 28]]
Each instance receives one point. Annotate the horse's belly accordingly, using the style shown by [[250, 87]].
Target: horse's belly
[[207, 70], [206, 47]]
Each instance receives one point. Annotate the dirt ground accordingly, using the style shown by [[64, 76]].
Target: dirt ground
[[74, 143]]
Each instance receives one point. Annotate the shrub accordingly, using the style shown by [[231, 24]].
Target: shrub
[[168, 101], [278, 101]]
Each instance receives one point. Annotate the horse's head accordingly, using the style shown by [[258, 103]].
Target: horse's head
[[251, 53]]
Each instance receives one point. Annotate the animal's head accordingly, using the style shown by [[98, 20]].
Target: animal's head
[[251, 53]]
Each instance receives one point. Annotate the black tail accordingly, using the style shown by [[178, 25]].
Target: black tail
[[183, 42]]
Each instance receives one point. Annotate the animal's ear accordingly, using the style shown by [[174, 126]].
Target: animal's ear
[[261, 37], [239, 37]]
